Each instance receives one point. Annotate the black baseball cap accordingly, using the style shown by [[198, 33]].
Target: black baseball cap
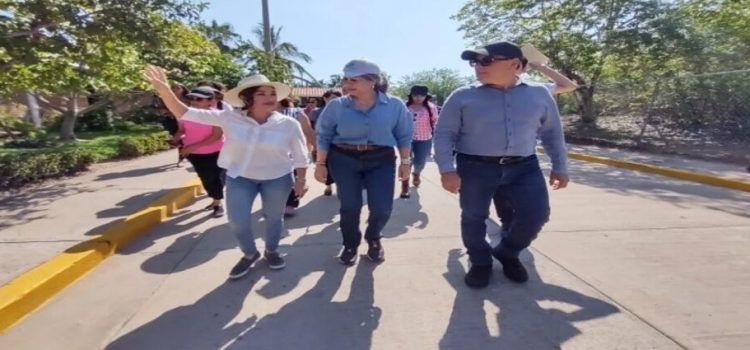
[[500, 48]]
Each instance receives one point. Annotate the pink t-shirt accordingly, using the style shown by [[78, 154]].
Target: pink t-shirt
[[196, 132]]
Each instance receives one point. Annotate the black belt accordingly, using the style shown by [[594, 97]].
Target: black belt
[[502, 160], [360, 148]]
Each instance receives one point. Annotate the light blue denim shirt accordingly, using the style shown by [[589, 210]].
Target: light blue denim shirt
[[488, 121], [386, 123]]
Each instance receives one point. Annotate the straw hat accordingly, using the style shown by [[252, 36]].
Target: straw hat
[[233, 96]]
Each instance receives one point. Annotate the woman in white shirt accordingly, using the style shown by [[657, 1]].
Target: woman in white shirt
[[262, 149]]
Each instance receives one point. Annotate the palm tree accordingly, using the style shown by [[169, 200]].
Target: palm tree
[[222, 35], [284, 51]]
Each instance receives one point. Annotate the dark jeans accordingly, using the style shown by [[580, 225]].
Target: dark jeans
[[503, 209], [374, 171], [523, 187], [420, 150], [212, 177]]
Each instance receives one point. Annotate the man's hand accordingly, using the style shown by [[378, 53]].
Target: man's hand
[[451, 181], [558, 181]]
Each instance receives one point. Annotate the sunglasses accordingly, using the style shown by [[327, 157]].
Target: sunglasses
[[486, 61]]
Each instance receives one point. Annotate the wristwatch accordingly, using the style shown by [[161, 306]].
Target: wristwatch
[[405, 161]]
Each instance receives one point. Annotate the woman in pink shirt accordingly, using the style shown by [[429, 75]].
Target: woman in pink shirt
[[202, 144], [425, 116]]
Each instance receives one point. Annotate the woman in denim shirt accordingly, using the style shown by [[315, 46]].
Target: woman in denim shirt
[[356, 136]]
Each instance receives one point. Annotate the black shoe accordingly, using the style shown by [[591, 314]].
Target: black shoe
[[209, 207], [275, 261], [478, 276], [218, 211], [375, 252], [348, 256], [243, 266], [513, 269], [328, 191]]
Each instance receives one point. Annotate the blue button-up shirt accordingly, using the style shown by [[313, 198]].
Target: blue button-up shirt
[[488, 121], [386, 123]]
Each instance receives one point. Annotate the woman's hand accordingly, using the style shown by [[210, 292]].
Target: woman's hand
[[156, 76], [321, 173], [300, 187]]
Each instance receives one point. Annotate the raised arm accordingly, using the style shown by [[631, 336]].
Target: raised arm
[[562, 83], [156, 76]]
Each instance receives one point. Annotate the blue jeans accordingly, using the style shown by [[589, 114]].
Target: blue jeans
[[523, 187], [373, 171], [241, 193], [419, 151]]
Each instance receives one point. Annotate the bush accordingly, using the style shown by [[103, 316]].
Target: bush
[[136, 146], [18, 169], [99, 120], [144, 115], [36, 142]]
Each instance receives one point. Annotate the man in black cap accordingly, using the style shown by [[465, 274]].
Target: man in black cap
[[492, 126]]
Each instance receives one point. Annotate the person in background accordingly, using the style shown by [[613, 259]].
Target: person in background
[[170, 123], [262, 148], [286, 107], [310, 105], [328, 96], [219, 89], [425, 116], [357, 135], [201, 146]]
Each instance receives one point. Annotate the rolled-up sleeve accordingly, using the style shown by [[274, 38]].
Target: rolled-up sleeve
[[298, 148], [325, 127], [404, 130], [446, 133], [553, 137], [206, 116]]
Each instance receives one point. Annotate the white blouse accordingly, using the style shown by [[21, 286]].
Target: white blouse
[[256, 151]]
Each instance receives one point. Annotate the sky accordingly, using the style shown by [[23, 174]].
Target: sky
[[402, 37]]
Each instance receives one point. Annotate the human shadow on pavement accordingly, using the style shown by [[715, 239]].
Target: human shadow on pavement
[[208, 323], [522, 322], [319, 210], [316, 321], [135, 172], [407, 214]]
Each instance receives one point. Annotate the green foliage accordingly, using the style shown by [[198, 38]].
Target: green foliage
[[18, 169], [137, 146], [597, 43], [441, 83]]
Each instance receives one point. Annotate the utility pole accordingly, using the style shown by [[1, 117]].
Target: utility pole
[[266, 28]]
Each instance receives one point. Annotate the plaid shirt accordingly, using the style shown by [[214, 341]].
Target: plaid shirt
[[423, 124]]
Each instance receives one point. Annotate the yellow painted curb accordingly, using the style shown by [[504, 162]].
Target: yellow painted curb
[[33, 288], [703, 178]]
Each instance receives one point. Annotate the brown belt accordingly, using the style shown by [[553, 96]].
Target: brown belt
[[360, 148]]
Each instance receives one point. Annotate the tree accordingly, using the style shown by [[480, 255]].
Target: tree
[[222, 35], [580, 37], [284, 53], [66, 46], [441, 82]]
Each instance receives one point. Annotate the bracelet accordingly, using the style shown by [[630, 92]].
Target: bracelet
[[321, 164], [405, 161]]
